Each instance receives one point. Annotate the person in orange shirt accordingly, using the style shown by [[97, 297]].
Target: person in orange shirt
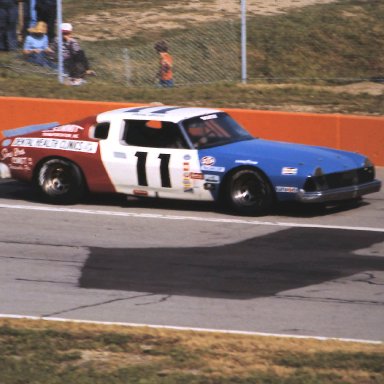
[[165, 74]]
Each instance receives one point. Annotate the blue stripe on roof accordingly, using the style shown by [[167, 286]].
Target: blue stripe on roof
[[136, 109], [165, 110], [158, 111], [29, 129]]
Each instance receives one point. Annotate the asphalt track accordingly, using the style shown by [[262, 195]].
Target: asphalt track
[[301, 271]]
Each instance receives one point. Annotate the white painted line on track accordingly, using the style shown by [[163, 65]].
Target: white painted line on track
[[193, 329], [183, 218]]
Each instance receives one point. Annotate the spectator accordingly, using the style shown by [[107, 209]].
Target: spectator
[[36, 48], [165, 74], [46, 11], [9, 14], [76, 64]]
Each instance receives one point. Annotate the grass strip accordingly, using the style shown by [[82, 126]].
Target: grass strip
[[55, 352]]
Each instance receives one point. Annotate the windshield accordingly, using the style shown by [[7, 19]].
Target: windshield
[[214, 129]]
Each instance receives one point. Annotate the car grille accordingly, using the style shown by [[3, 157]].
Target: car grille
[[339, 179]]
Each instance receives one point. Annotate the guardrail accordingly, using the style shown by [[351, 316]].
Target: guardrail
[[364, 134]]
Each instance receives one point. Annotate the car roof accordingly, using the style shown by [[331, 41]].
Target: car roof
[[162, 113]]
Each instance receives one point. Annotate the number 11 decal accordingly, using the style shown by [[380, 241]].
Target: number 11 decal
[[164, 169]]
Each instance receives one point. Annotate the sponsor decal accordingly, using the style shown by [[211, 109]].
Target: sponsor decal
[[208, 117], [69, 128], [61, 134], [59, 144], [187, 183], [289, 171], [246, 162], [6, 142], [213, 169], [185, 166], [187, 157], [19, 167], [120, 155], [21, 161], [197, 176], [212, 179], [18, 152], [5, 154], [140, 192], [68, 131], [287, 189], [11, 154], [208, 161]]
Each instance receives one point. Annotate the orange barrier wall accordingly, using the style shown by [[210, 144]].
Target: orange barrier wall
[[362, 134]]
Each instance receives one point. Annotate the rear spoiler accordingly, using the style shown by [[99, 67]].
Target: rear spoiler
[[28, 129]]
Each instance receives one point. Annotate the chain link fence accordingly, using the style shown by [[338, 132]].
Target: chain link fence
[[209, 55]]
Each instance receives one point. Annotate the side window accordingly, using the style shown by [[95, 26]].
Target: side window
[[101, 131], [155, 134]]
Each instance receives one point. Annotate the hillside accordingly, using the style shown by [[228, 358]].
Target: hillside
[[302, 55]]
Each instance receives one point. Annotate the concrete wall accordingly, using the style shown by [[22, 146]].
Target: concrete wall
[[362, 134]]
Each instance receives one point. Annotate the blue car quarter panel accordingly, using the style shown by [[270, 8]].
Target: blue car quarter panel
[[287, 166]]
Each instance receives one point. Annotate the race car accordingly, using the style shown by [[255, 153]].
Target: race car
[[179, 153]]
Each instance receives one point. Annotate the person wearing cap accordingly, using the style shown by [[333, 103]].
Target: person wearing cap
[[76, 64], [36, 46]]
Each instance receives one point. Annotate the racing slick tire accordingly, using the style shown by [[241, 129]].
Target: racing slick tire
[[248, 192], [60, 182]]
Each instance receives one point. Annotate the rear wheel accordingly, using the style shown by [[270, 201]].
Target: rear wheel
[[249, 193], [60, 182]]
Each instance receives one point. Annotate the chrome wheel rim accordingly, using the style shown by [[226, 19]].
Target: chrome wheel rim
[[245, 191], [57, 182]]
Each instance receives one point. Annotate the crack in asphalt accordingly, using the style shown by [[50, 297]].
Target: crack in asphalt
[[44, 281], [165, 298], [368, 279], [69, 262], [42, 244], [329, 299], [109, 302]]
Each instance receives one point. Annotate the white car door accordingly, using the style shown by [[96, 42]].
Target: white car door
[[154, 171]]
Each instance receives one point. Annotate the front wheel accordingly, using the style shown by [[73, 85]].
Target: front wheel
[[60, 182], [248, 192]]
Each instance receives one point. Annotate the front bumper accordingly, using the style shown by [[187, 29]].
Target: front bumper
[[337, 194]]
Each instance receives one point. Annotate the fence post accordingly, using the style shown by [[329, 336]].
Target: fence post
[[127, 66], [243, 42], [59, 18]]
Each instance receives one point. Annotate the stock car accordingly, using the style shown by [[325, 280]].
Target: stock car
[[179, 153]]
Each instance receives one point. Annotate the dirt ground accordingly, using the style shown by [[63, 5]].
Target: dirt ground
[[108, 26], [368, 87]]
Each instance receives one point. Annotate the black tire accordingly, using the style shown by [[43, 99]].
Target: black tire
[[60, 182], [247, 192]]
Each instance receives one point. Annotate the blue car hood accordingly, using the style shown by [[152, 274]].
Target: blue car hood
[[287, 154]]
